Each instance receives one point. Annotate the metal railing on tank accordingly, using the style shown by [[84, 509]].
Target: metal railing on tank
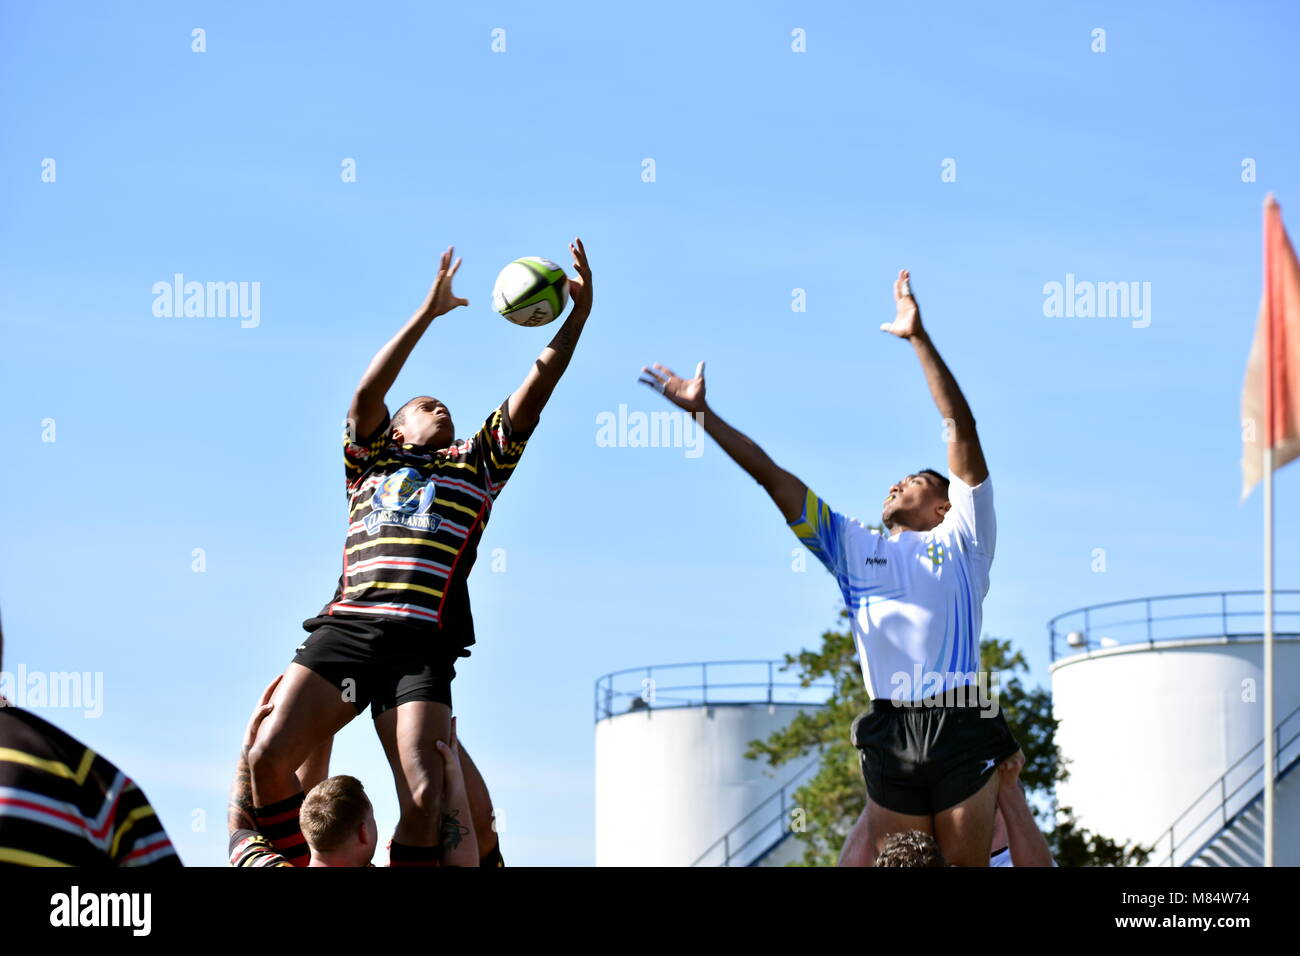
[[662, 686], [1230, 615]]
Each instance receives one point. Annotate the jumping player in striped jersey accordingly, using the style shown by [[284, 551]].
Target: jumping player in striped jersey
[[62, 804], [418, 501], [914, 595]]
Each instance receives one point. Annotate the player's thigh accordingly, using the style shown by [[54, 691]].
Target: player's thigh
[[317, 765], [857, 849], [307, 711], [965, 831], [881, 823], [408, 733]]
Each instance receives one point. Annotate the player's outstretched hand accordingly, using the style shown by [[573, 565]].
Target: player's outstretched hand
[[684, 393], [441, 299], [907, 314], [580, 286], [260, 712]]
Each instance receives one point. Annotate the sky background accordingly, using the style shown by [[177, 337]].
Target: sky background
[[775, 171]]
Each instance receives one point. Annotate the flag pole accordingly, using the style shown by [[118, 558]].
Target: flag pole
[[1269, 287], [1268, 657]]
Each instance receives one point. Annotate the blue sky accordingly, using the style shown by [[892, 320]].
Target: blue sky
[[775, 171]]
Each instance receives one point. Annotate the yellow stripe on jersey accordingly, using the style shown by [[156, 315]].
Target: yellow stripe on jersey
[[393, 586], [10, 854], [420, 541], [821, 515], [443, 463], [138, 813], [55, 767]]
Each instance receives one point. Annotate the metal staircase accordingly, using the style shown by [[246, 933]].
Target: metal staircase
[[760, 832], [1224, 826]]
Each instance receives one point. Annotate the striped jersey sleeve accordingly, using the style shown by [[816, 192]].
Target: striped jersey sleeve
[[823, 532], [250, 848], [360, 451], [497, 449], [62, 804]]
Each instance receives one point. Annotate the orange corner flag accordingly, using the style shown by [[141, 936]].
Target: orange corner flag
[[1270, 400]]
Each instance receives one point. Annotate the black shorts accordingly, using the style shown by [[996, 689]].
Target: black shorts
[[920, 759], [380, 662]]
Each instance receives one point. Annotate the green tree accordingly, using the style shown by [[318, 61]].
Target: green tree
[[833, 799]]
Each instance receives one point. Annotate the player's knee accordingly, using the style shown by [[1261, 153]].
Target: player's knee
[[425, 801], [267, 758]]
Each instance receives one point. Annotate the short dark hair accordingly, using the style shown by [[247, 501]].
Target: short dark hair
[[912, 848], [943, 482], [332, 811], [401, 412]]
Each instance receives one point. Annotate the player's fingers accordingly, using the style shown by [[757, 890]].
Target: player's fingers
[[699, 370], [886, 327], [270, 688], [454, 268], [651, 372], [658, 386], [666, 371]]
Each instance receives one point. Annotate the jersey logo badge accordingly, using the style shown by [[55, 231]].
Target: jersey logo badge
[[935, 553], [404, 498]]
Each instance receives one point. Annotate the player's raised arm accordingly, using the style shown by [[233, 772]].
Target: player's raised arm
[[527, 401], [787, 491], [367, 411], [965, 457]]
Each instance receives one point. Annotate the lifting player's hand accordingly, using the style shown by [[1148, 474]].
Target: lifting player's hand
[[450, 751], [260, 712], [1009, 772], [441, 299], [684, 393], [580, 285], [907, 314]]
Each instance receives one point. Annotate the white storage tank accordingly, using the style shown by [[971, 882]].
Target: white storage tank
[[1160, 703], [673, 785]]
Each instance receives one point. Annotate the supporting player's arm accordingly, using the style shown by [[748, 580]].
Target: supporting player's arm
[[239, 812], [965, 457], [368, 410], [459, 845], [787, 491], [525, 405], [1026, 842]]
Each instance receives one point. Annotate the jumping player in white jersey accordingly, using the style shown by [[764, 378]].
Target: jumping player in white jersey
[[929, 756]]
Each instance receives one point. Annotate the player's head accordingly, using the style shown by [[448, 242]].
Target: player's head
[[338, 822], [912, 848], [917, 503], [423, 421]]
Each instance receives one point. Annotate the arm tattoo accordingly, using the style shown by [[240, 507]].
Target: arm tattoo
[[239, 812], [453, 832]]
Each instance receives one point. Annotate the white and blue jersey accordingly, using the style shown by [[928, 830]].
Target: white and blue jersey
[[915, 598]]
